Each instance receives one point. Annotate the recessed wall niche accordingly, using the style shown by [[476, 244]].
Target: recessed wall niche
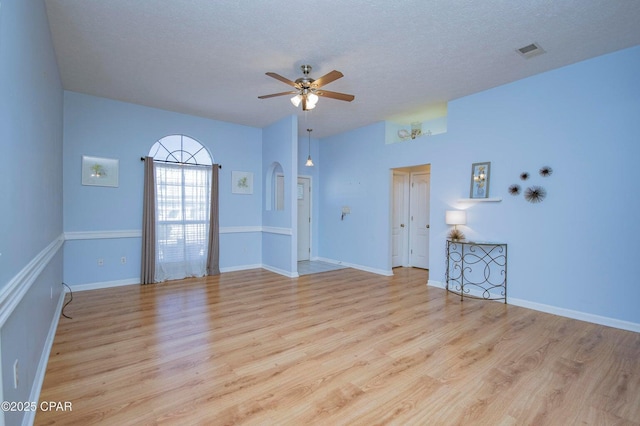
[[274, 190]]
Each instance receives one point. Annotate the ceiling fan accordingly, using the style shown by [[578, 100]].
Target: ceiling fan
[[308, 89]]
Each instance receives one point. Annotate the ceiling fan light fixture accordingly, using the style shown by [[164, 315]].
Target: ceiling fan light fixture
[[296, 100], [312, 98], [305, 88]]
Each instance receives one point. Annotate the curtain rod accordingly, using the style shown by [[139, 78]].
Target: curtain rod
[[177, 162]]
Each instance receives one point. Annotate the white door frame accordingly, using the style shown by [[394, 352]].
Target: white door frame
[[415, 225], [310, 178], [423, 168], [404, 211]]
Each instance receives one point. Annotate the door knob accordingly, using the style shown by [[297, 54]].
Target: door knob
[[428, 226], [402, 225]]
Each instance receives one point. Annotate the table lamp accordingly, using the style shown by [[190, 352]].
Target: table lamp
[[455, 218]]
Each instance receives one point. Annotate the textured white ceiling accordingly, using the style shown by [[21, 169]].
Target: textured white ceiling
[[399, 58]]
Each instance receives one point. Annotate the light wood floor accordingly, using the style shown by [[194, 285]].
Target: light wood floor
[[340, 347]]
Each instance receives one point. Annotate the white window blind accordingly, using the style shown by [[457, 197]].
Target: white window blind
[[183, 194]]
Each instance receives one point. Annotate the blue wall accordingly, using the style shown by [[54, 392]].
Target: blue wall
[[569, 254], [93, 215], [569, 251], [355, 173], [31, 197], [279, 241]]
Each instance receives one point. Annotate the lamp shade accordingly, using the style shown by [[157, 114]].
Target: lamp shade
[[456, 217], [312, 98], [296, 100]]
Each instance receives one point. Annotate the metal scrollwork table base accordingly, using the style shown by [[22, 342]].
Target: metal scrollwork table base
[[477, 269]]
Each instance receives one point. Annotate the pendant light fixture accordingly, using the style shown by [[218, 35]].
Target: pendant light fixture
[[309, 162]]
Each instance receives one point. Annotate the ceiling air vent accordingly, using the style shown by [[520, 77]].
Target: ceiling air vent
[[530, 50]]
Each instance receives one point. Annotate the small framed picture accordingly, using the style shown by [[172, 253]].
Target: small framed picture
[[98, 171], [480, 177], [241, 182]]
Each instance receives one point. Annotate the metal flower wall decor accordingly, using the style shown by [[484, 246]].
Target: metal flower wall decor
[[534, 193], [514, 189]]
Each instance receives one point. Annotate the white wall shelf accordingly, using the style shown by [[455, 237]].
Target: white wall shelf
[[479, 200]]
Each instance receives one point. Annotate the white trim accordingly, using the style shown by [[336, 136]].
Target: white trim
[[98, 235], [240, 268], [386, 273], [38, 380], [311, 219], [479, 200], [104, 284], [438, 284], [239, 229], [582, 316], [137, 233], [276, 230], [567, 313], [281, 271], [12, 293]]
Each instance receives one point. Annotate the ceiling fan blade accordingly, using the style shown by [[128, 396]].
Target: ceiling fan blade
[[335, 95], [327, 78], [292, 92], [282, 79]]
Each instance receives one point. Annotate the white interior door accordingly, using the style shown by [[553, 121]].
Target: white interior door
[[304, 218], [419, 212], [399, 220]]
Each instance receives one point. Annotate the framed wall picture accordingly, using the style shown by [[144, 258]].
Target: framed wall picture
[[480, 177], [97, 171], [241, 182]]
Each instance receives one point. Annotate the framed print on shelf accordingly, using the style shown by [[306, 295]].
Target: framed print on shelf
[[98, 171], [241, 182], [480, 174]]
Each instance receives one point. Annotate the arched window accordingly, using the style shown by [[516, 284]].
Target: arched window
[[274, 196], [183, 187], [180, 149]]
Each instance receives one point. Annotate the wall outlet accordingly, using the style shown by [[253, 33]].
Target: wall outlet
[[100, 262], [123, 260], [15, 374]]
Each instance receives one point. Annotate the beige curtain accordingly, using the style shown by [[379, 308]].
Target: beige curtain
[[213, 257], [147, 275]]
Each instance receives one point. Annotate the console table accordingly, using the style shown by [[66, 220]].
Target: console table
[[477, 269]]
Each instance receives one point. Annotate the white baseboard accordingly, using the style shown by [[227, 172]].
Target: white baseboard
[[582, 316], [38, 379], [104, 284], [387, 273], [240, 268], [438, 284], [132, 281], [567, 313], [288, 274]]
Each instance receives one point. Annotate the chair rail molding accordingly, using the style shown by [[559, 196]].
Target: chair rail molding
[[12, 293], [137, 233]]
